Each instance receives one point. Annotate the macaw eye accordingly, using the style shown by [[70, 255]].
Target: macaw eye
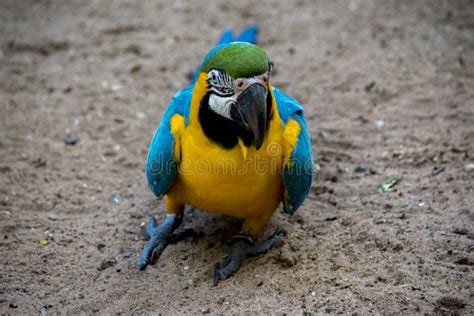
[[240, 83], [213, 75], [265, 78]]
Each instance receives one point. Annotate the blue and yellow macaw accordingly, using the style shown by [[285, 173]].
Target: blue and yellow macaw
[[229, 144]]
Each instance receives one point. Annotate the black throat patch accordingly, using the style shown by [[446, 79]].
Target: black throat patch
[[224, 131]]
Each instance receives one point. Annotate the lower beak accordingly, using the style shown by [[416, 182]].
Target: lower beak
[[250, 112]]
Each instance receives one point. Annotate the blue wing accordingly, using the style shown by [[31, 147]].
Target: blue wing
[[298, 174], [161, 165], [249, 34]]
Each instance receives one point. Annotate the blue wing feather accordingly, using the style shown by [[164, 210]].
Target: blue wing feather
[[298, 174], [161, 165]]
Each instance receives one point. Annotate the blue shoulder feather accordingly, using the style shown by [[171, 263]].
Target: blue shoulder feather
[[161, 165], [298, 174]]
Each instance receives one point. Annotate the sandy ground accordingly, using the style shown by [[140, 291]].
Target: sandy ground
[[388, 88]]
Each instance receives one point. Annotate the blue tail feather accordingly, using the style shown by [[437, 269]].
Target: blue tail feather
[[249, 34], [226, 37]]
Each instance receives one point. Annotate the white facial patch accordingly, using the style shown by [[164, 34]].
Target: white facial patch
[[221, 105], [226, 89]]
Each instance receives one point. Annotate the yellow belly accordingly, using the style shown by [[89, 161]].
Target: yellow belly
[[240, 182]]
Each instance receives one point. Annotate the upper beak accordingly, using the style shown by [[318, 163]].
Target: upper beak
[[250, 112]]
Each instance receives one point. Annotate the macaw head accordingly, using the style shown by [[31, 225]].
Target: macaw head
[[237, 96]]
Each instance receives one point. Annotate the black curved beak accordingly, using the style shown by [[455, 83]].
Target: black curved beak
[[250, 112]]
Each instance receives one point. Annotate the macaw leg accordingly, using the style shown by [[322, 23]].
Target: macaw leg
[[160, 236], [244, 246]]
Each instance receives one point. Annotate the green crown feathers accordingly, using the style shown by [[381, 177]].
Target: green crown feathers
[[237, 59]]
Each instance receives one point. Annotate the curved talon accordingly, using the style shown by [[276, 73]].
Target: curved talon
[[151, 251], [269, 243], [231, 263], [216, 277], [160, 237], [241, 250]]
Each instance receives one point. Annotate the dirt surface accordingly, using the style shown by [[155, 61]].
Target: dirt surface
[[388, 89]]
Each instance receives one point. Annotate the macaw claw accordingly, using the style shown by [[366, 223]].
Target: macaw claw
[[241, 250], [160, 237]]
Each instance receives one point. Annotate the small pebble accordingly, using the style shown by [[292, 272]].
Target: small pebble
[[140, 115], [369, 86], [286, 259], [380, 221], [100, 246], [116, 199], [49, 235], [43, 242], [107, 263], [346, 222], [206, 310], [53, 217], [461, 231], [360, 169], [135, 69], [116, 87], [71, 139], [469, 166]]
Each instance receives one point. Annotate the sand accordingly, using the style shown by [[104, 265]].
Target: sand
[[388, 90]]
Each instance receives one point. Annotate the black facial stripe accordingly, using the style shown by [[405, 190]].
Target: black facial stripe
[[220, 93], [221, 82]]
